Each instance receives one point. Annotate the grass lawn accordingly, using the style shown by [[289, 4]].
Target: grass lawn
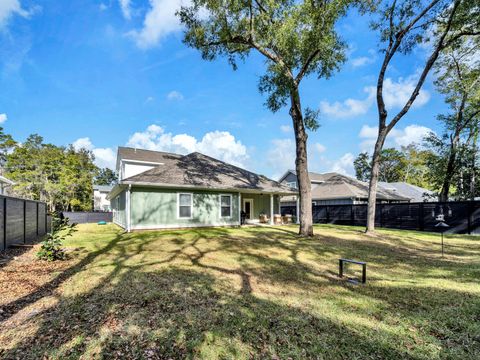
[[245, 293]]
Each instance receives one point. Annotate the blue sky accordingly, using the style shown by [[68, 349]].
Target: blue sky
[[101, 74]]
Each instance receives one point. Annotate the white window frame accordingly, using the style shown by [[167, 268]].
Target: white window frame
[[231, 205], [292, 184], [178, 205]]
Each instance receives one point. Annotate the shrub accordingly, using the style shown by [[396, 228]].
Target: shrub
[[51, 248]]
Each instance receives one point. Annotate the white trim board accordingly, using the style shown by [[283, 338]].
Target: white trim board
[[251, 207], [178, 205], [183, 226]]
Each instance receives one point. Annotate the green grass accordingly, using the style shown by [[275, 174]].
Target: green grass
[[257, 293]]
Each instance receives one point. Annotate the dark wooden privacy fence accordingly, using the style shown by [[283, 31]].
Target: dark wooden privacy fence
[[88, 217], [462, 216], [21, 221]]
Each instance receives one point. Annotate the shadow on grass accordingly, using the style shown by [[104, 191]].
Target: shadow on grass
[[178, 313], [188, 311]]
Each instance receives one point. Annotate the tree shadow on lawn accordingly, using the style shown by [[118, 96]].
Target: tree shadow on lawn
[[183, 311]]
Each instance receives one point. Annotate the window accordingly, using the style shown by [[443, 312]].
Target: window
[[292, 184], [225, 206], [185, 206]]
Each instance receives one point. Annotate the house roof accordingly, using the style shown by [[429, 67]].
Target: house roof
[[413, 192], [103, 188], [332, 185], [337, 186], [4, 180], [197, 170], [149, 156]]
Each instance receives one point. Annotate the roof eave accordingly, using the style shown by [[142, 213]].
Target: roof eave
[[233, 189]]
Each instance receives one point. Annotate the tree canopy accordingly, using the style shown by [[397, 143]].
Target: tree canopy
[[295, 38], [60, 176]]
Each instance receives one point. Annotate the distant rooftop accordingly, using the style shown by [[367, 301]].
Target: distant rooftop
[[103, 188]]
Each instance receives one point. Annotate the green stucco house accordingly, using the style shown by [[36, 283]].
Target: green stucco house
[[159, 190]]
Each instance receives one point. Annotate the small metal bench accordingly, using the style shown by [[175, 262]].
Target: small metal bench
[[364, 268]]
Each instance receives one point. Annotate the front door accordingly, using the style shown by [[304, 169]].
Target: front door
[[248, 208]]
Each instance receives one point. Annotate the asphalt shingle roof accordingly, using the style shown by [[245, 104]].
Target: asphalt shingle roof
[[199, 170], [413, 192], [128, 153]]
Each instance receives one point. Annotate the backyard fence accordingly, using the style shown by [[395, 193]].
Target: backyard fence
[[22, 221], [88, 217], [463, 217]]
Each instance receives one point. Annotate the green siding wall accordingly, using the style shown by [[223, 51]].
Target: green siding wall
[[119, 209], [152, 208]]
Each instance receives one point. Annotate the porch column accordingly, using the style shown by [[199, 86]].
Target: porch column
[[128, 208], [271, 209], [239, 209], [298, 210]]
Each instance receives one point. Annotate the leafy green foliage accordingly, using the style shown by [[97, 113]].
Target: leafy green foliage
[[454, 154], [295, 38], [62, 177], [106, 176], [6, 145], [51, 248], [409, 164]]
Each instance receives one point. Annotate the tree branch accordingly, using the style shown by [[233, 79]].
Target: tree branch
[[431, 60], [305, 66]]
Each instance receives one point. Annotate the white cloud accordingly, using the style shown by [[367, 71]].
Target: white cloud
[[344, 165], [175, 95], [286, 128], [102, 7], [319, 148], [219, 144], [281, 157], [3, 118], [395, 94], [125, 7], [364, 60], [361, 61], [9, 8], [349, 107], [104, 157], [159, 22], [411, 134]]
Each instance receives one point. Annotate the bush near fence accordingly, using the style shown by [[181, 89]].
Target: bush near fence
[[22, 221], [88, 217], [464, 218]]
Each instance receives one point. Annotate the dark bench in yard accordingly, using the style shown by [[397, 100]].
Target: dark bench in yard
[[363, 264]]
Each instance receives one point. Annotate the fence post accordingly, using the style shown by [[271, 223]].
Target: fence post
[[421, 217], [469, 217], [36, 218], [24, 222], [46, 219], [380, 207], [352, 215], [5, 222]]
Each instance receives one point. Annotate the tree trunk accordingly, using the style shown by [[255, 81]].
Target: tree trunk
[[443, 196], [301, 164], [372, 190]]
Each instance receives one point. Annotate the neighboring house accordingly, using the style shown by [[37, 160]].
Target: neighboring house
[[337, 189], [414, 193], [100, 201], [162, 190], [5, 185]]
